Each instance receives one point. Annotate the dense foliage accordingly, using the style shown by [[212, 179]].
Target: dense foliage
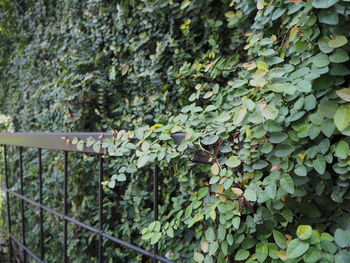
[[261, 87]]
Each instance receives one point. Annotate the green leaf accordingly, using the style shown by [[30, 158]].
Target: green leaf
[[111, 184], [300, 170], [250, 195], [271, 190], [342, 117], [121, 178], [312, 255], [337, 41], [328, 127], [239, 115], [323, 3], [209, 140], [278, 137], [282, 88], [155, 237], [261, 252], [97, 146], [296, 248], [269, 112], [224, 117], [198, 257], [320, 60], [328, 16], [323, 44], [344, 94], [233, 161], [310, 102], [283, 150], [328, 109], [342, 238], [339, 70], [80, 145], [287, 183], [90, 141], [304, 232], [339, 56], [208, 259], [342, 149], [210, 234], [221, 232], [213, 247], [164, 137], [242, 254], [142, 161], [319, 164], [280, 239], [202, 192], [342, 257]]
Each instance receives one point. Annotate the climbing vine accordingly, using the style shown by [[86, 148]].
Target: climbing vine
[[259, 87]]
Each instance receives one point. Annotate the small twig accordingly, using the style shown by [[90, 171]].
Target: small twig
[[204, 150]]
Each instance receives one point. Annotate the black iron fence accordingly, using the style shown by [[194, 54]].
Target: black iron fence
[[58, 142]]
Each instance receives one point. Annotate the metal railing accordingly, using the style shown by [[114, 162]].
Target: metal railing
[[57, 141]]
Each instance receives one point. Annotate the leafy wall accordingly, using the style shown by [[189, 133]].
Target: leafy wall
[[259, 86]]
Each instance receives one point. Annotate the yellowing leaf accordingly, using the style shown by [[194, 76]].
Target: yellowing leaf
[[337, 41], [282, 255], [302, 156], [249, 65], [263, 66], [344, 94], [249, 132], [198, 218], [260, 4], [205, 246], [258, 79], [342, 117], [293, 33], [215, 169], [155, 126], [248, 46], [213, 214], [289, 237], [220, 188], [244, 181], [237, 191]]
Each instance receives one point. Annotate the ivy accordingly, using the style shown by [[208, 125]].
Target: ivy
[[259, 88]]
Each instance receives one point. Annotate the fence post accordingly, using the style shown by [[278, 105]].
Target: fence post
[[8, 203], [155, 205], [22, 202]]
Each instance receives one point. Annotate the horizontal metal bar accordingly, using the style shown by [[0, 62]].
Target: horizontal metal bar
[[19, 243], [91, 229], [62, 141], [51, 141]]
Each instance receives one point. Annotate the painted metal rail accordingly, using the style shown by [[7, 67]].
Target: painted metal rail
[[58, 142]]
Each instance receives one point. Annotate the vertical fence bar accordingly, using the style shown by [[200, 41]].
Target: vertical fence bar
[[22, 202], [65, 208], [100, 209], [8, 203], [155, 205], [41, 220]]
